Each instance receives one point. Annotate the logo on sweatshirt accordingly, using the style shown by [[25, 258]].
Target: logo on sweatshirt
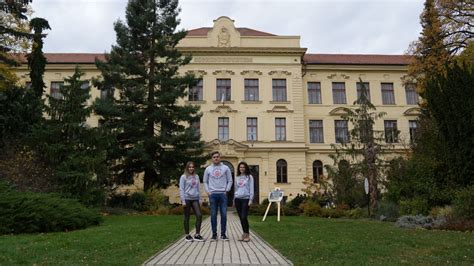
[[243, 181], [217, 173]]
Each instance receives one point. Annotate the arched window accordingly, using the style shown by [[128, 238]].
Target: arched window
[[317, 170], [282, 171]]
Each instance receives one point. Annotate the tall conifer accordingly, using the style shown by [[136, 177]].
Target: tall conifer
[[151, 131]]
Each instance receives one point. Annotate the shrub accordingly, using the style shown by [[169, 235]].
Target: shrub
[[296, 201], [388, 211], [463, 204], [445, 211], [29, 212], [155, 199], [178, 210], [414, 206], [119, 200], [457, 224], [311, 208], [355, 213], [137, 201], [290, 211], [419, 221]]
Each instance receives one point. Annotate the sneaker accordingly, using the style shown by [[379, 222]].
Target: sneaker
[[224, 237], [246, 237], [214, 237], [198, 238], [188, 238]]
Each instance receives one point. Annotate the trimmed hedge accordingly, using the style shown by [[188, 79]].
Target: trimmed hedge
[[29, 212]]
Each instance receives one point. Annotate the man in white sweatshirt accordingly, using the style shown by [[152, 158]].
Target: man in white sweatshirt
[[217, 183]]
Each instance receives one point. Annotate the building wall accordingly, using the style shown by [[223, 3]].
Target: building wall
[[266, 58]]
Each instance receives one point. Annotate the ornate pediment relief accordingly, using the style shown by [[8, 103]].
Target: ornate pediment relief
[[414, 111], [197, 73], [223, 73], [279, 73], [339, 111], [340, 76], [226, 148], [224, 34], [280, 109], [251, 73], [223, 109]]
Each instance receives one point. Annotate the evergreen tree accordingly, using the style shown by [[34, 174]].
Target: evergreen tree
[[74, 150], [36, 59], [364, 149], [151, 132]]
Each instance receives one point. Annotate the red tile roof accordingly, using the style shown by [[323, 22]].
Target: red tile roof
[[242, 31], [356, 59]]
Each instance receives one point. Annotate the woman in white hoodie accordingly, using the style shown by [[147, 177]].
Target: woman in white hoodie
[[189, 192], [243, 197]]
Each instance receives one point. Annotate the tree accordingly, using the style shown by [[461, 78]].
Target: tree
[[457, 20], [363, 151], [36, 59], [67, 144], [151, 132]]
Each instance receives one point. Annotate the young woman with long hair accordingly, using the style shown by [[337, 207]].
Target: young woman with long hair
[[190, 194], [243, 197]]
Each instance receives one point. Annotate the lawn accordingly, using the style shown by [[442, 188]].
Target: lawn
[[124, 240], [310, 241]]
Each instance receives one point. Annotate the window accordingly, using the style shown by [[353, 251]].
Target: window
[[223, 92], [316, 131], [55, 90], [280, 129], [251, 89], [251, 128], [391, 131], [282, 171], [317, 170], [339, 92], [279, 90], [107, 93], [363, 86], [342, 131], [314, 93], [412, 95], [412, 125], [85, 85], [223, 124], [196, 126], [388, 96], [195, 92]]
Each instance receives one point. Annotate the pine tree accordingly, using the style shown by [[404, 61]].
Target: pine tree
[[364, 149], [152, 135], [75, 151], [36, 59]]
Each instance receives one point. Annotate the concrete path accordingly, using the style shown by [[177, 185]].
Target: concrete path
[[232, 252]]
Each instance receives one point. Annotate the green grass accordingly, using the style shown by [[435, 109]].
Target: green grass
[[310, 241], [124, 240]]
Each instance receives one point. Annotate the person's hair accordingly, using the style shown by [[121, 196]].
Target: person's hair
[[246, 171], [186, 169], [215, 152]]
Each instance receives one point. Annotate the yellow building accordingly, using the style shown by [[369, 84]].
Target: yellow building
[[267, 102]]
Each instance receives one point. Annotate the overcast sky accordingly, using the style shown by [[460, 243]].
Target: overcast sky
[[325, 26]]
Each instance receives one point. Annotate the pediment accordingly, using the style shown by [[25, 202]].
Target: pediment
[[414, 111], [226, 148], [280, 109], [223, 109], [224, 34], [339, 111]]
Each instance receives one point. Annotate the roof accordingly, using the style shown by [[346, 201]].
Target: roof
[[356, 59], [315, 59], [243, 32]]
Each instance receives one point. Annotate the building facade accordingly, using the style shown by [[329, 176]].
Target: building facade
[[268, 102]]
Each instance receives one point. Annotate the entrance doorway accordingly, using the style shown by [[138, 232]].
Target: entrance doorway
[[254, 171], [230, 194]]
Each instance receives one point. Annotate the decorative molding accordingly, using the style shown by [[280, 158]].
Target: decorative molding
[[414, 111], [386, 76], [339, 111], [280, 109], [222, 59], [251, 73], [223, 110], [223, 72], [339, 76], [197, 73], [279, 73], [223, 38], [225, 147]]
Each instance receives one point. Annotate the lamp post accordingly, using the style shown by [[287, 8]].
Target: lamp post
[[366, 188]]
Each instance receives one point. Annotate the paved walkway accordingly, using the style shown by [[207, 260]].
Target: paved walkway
[[232, 252]]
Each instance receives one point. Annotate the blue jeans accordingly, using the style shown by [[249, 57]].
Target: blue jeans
[[218, 200]]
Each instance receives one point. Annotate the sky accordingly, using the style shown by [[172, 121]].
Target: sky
[[325, 26]]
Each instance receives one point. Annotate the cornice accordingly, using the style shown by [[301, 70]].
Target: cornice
[[242, 50]]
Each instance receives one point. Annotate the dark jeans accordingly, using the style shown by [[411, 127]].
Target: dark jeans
[[187, 212], [218, 200], [242, 206]]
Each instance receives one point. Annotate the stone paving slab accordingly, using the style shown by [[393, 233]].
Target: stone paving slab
[[232, 252]]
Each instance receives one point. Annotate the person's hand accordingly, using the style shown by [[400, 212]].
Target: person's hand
[[250, 202], [208, 193], [184, 203], [233, 203]]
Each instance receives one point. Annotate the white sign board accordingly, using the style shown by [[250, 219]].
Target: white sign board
[[275, 195]]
